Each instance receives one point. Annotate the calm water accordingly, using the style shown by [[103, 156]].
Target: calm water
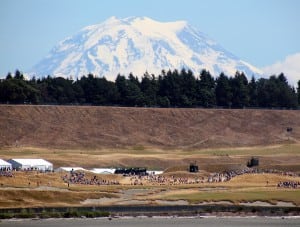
[[153, 222]]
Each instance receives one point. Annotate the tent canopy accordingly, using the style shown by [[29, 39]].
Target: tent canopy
[[103, 170], [32, 162], [69, 169], [4, 164]]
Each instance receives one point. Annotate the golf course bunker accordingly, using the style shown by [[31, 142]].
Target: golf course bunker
[[125, 197], [168, 202]]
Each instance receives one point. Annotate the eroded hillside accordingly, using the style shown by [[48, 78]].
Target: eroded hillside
[[97, 127]]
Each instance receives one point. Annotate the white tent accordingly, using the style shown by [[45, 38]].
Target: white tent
[[31, 164], [69, 169], [103, 171], [154, 172], [4, 165]]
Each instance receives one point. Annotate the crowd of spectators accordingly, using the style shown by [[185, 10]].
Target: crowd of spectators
[[228, 175], [288, 184], [213, 178], [164, 180], [6, 172], [78, 177]]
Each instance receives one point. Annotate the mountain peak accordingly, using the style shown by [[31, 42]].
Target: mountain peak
[[137, 45]]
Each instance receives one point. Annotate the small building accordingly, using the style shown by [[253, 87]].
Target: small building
[[253, 162], [5, 166], [193, 168], [31, 164]]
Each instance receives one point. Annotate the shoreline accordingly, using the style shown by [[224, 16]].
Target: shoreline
[[215, 210], [159, 217], [155, 221]]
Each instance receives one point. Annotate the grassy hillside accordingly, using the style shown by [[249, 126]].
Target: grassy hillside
[[103, 127]]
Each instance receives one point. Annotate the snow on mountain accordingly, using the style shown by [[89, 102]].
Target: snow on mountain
[[137, 45]]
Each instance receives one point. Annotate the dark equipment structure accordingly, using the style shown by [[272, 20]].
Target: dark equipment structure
[[253, 162], [140, 171], [289, 131], [193, 168]]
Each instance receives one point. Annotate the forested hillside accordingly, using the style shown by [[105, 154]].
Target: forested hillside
[[170, 89]]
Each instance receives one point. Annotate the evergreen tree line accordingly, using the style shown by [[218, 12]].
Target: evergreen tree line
[[169, 89]]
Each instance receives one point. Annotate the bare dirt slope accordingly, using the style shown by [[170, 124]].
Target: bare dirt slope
[[97, 127]]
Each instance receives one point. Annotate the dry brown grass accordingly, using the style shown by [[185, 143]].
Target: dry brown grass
[[259, 180], [34, 180], [244, 188], [51, 191], [31, 189], [283, 157], [236, 196], [102, 127], [160, 139], [30, 198]]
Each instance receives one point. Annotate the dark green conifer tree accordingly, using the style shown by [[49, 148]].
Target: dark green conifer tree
[[223, 91]]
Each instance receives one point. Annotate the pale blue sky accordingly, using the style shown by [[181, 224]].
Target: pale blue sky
[[258, 31]]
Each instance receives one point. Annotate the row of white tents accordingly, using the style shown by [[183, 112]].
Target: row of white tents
[[45, 166], [26, 164], [99, 170], [94, 170], [4, 165]]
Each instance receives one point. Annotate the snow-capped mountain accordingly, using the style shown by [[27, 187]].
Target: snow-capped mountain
[[137, 45]]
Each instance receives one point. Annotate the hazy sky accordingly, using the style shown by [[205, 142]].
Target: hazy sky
[[261, 32]]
